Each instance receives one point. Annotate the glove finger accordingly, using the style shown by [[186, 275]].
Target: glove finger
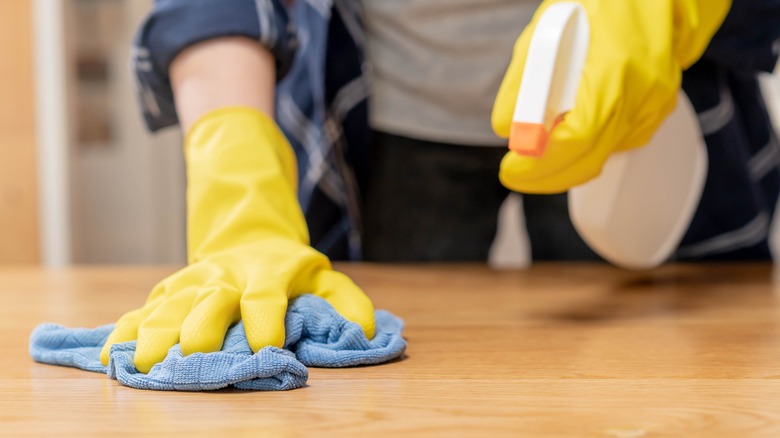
[[520, 173], [263, 308], [264, 303], [126, 329], [590, 164], [214, 311], [576, 174], [160, 330], [581, 131], [347, 298]]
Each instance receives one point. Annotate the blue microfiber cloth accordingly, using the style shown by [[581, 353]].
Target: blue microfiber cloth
[[316, 335]]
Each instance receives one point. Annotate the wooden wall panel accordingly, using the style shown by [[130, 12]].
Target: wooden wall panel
[[19, 233]]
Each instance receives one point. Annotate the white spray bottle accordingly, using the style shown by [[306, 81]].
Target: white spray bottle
[[635, 213]]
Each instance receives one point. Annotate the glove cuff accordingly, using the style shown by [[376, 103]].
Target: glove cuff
[[241, 182]]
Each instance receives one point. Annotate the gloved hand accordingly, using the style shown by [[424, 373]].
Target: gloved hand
[[248, 248], [633, 71]]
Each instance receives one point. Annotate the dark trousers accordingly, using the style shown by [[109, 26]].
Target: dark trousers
[[429, 201]]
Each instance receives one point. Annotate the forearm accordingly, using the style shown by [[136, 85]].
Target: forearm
[[239, 165], [231, 71]]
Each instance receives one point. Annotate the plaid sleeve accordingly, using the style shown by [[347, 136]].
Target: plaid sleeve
[[738, 204], [174, 25]]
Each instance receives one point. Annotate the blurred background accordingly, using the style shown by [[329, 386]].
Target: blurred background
[[81, 181]]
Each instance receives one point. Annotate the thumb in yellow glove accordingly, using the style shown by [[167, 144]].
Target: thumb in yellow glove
[[248, 248], [633, 71]]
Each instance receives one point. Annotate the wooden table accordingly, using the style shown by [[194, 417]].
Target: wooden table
[[560, 349]]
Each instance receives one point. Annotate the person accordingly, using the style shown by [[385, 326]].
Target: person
[[436, 67], [267, 208]]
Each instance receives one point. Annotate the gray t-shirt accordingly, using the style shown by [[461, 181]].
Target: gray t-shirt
[[437, 65]]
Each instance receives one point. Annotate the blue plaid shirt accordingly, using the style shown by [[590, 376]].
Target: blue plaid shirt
[[322, 108]]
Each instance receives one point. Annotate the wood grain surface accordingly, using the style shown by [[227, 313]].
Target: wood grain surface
[[19, 237], [557, 350]]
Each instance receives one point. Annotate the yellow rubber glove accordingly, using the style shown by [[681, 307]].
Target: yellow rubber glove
[[248, 248], [633, 71]]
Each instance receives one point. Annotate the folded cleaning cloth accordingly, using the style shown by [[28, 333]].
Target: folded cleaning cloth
[[316, 336]]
